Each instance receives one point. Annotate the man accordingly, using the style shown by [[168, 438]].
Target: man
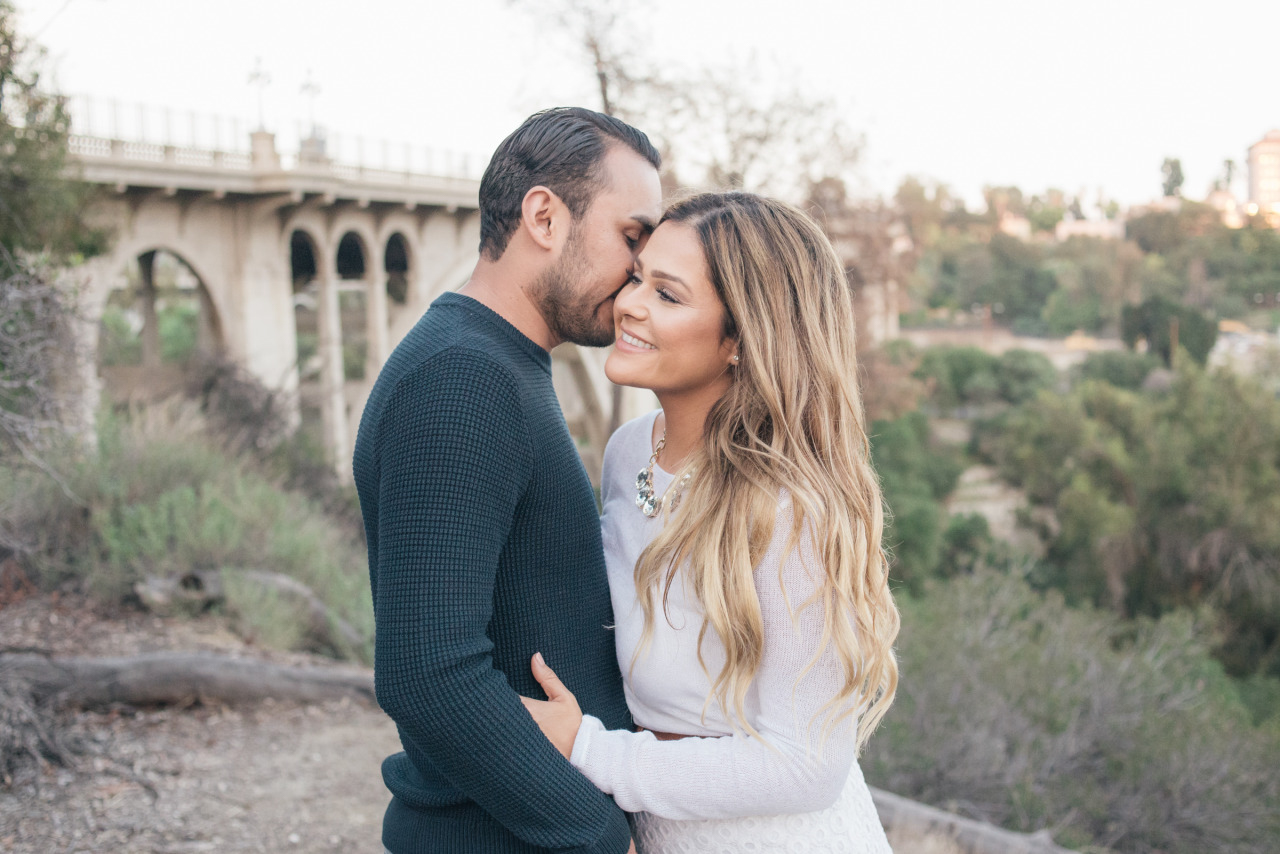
[[484, 543]]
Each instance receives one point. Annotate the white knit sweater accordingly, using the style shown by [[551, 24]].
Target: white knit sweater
[[734, 774]]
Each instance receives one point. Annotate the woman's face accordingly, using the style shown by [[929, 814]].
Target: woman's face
[[669, 322]]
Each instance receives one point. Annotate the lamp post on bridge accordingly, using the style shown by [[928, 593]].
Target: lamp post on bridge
[[262, 142]]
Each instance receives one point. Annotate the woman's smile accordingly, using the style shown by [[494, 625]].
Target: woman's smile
[[634, 341]]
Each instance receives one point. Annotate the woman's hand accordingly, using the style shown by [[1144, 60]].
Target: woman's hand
[[558, 716]]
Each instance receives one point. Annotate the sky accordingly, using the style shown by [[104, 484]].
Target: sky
[[1084, 96]]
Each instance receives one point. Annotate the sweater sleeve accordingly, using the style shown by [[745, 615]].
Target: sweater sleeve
[[793, 770], [454, 458]]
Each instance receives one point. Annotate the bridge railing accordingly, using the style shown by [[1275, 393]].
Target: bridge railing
[[110, 128]]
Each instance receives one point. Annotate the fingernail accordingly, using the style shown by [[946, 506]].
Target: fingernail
[[537, 656]]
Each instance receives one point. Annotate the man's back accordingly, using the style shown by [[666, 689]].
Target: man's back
[[484, 548]]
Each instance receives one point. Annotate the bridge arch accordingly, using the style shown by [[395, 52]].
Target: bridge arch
[[397, 262], [305, 259], [155, 315]]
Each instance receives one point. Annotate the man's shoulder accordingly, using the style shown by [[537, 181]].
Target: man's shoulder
[[459, 373]]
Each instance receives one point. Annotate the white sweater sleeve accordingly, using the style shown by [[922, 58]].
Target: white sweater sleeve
[[739, 775]]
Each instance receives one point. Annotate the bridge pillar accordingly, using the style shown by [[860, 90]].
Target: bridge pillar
[[150, 319], [333, 404], [379, 330]]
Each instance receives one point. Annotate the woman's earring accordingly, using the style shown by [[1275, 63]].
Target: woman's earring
[[735, 358]]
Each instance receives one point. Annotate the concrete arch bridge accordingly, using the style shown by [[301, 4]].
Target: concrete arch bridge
[[305, 271]]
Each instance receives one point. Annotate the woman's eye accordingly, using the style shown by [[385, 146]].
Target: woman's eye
[[633, 279], [666, 295]]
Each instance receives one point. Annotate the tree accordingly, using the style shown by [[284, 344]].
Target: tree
[[1045, 212], [1172, 172], [1228, 175], [1159, 321], [742, 126], [41, 223], [40, 209], [1162, 500]]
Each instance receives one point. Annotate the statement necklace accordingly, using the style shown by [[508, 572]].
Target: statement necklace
[[649, 503]]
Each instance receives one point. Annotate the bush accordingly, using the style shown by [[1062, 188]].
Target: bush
[[916, 475], [1016, 709], [1022, 375], [961, 376], [1161, 500], [145, 506], [1154, 321], [1120, 368], [966, 543]]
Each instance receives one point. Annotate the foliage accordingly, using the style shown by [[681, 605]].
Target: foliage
[[966, 544], [163, 505], [1180, 251], [916, 475], [38, 349], [1120, 368], [960, 376], [1162, 500], [1122, 736], [888, 385], [1156, 320], [179, 330], [119, 343], [1171, 169], [40, 209]]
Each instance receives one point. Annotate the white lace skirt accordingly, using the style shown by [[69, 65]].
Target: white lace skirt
[[850, 826]]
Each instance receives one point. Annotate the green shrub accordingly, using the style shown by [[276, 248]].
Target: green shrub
[[1120, 368], [1161, 500], [1155, 321], [1023, 374], [143, 507], [966, 543], [118, 344], [960, 376], [1125, 736], [179, 331], [916, 475]]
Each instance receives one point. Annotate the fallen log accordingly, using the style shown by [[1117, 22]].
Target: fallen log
[[197, 590], [178, 678], [905, 820]]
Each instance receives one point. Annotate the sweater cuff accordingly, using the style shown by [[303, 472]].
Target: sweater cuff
[[582, 741], [616, 838]]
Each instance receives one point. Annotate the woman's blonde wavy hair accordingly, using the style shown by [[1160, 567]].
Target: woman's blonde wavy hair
[[791, 420]]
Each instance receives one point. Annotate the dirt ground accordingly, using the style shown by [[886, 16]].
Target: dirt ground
[[269, 777]]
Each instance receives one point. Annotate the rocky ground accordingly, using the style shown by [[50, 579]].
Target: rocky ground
[[269, 777]]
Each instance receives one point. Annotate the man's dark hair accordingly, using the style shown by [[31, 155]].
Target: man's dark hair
[[560, 149]]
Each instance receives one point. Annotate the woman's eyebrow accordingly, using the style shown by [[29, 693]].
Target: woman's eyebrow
[[669, 277]]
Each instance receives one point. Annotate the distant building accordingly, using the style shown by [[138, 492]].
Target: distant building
[[1015, 226], [1264, 177], [1106, 229], [1227, 206]]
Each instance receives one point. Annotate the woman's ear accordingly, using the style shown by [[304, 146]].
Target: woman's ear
[[732, 354]]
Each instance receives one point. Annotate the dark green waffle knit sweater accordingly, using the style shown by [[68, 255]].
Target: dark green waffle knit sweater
[[484, 548]]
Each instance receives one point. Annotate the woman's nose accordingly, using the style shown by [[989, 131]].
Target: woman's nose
[[628, 302]]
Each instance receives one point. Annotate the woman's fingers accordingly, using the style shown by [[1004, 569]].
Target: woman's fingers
[[550, 683]]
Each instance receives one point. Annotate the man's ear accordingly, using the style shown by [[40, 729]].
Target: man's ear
[[544, 217]]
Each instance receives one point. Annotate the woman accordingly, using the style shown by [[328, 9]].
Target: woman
[[742, 529]]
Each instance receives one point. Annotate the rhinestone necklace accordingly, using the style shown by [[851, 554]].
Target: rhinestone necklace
[[649, 503]]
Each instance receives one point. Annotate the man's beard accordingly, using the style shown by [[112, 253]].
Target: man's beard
[[572, 315]]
